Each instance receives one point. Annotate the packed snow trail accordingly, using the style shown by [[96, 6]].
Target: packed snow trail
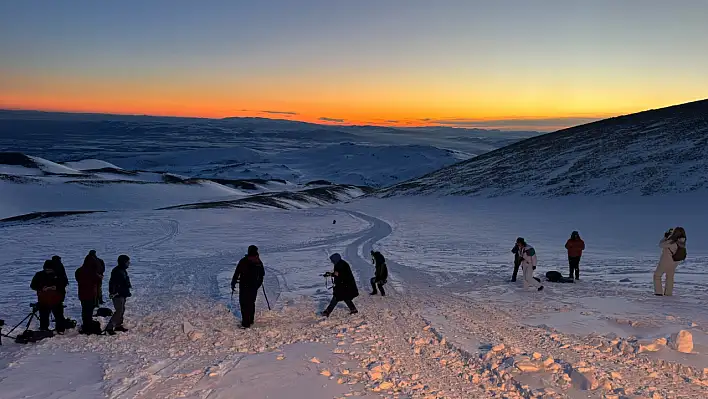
[[420, 341]]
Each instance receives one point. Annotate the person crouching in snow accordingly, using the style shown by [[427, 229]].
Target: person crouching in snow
[[119, 290], [381, 274], [249, 275], [344, 285], [575, 246], [528, 263], [673, 251]]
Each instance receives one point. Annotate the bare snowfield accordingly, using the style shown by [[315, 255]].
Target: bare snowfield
[[452, 325]]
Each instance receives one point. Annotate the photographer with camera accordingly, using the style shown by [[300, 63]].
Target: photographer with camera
[[48, 285], [673, 251], [249, 276], [381, 274], [344, 285]]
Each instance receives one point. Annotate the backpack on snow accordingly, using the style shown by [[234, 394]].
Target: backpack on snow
[[680, 254]]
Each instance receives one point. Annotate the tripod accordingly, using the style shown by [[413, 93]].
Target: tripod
[[32, 315]]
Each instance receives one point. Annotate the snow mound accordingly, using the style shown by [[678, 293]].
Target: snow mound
[[90, 164], [18, 164], [648, 153], [304, 199]]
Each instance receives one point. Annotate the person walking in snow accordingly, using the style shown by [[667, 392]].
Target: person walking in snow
[[528, 263], [101, 271], [48, 285], [88, 280], [119, 290], [344, 285], [381, 274], [673, 252], [575, 246], [517, 259], [249, 276]]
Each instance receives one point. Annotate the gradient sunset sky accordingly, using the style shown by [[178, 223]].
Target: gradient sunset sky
[[538, 64]]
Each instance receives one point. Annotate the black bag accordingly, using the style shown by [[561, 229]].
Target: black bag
[[33, 336], [679, 255], [556, 277], [94, 327]]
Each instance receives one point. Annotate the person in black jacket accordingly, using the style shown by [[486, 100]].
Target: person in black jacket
[[381, 274], [119, 290], [61, 272], [517, 260], [344, 286], [101, 271], [49, 298], [249, 276]]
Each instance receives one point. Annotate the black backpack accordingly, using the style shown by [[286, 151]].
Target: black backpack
[[679, 255], [554, 276]]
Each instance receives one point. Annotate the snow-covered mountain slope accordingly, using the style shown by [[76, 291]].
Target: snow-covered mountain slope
[[648, 153]]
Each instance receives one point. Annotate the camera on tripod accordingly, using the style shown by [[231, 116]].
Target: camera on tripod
[[34, 306], [327, 274]]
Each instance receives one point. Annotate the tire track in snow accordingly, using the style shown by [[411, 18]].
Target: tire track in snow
[[172, 230]]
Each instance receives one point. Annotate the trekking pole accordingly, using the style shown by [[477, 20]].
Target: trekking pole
[[266, 297]]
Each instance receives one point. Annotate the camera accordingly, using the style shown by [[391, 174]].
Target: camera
[[34, 306], [328, 274]]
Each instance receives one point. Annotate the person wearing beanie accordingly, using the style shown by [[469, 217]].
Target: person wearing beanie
[[249, 276], [119, 290], [344, 285]]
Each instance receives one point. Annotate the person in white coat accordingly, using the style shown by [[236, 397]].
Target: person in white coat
[[528, 263], [674, 239]]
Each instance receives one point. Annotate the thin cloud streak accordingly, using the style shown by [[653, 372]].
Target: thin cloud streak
[[336, 120], [542, 124]]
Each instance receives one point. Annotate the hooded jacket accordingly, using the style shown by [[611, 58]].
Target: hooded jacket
[[249, 273], [52, 282], [528, 256], [575, 247], [668, 249], [381, 268], [345, 288], [119, 284], [88, 279]]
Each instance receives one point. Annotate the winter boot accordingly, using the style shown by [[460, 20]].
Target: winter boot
[[121, 329], [110, 331]]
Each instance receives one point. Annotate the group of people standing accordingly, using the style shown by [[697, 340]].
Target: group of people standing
[[51, 284], [250, 272], [673, 246]]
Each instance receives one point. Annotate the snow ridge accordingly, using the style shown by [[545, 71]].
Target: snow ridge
[[648, 153]]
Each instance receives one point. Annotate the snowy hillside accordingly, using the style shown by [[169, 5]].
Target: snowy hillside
[[31, 187], [648, 153], [245, 148]]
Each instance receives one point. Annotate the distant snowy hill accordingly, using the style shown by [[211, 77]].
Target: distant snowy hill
[[245, 148], [647, 153], [31, 187]]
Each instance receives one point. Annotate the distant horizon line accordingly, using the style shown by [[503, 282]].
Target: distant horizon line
[[536, 124]]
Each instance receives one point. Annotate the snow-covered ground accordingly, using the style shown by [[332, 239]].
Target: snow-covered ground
[[452, 325]]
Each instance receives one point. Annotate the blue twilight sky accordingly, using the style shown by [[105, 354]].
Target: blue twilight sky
[[468, 62]]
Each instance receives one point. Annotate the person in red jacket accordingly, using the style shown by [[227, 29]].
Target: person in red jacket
[[88, 279], [575, 246]]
